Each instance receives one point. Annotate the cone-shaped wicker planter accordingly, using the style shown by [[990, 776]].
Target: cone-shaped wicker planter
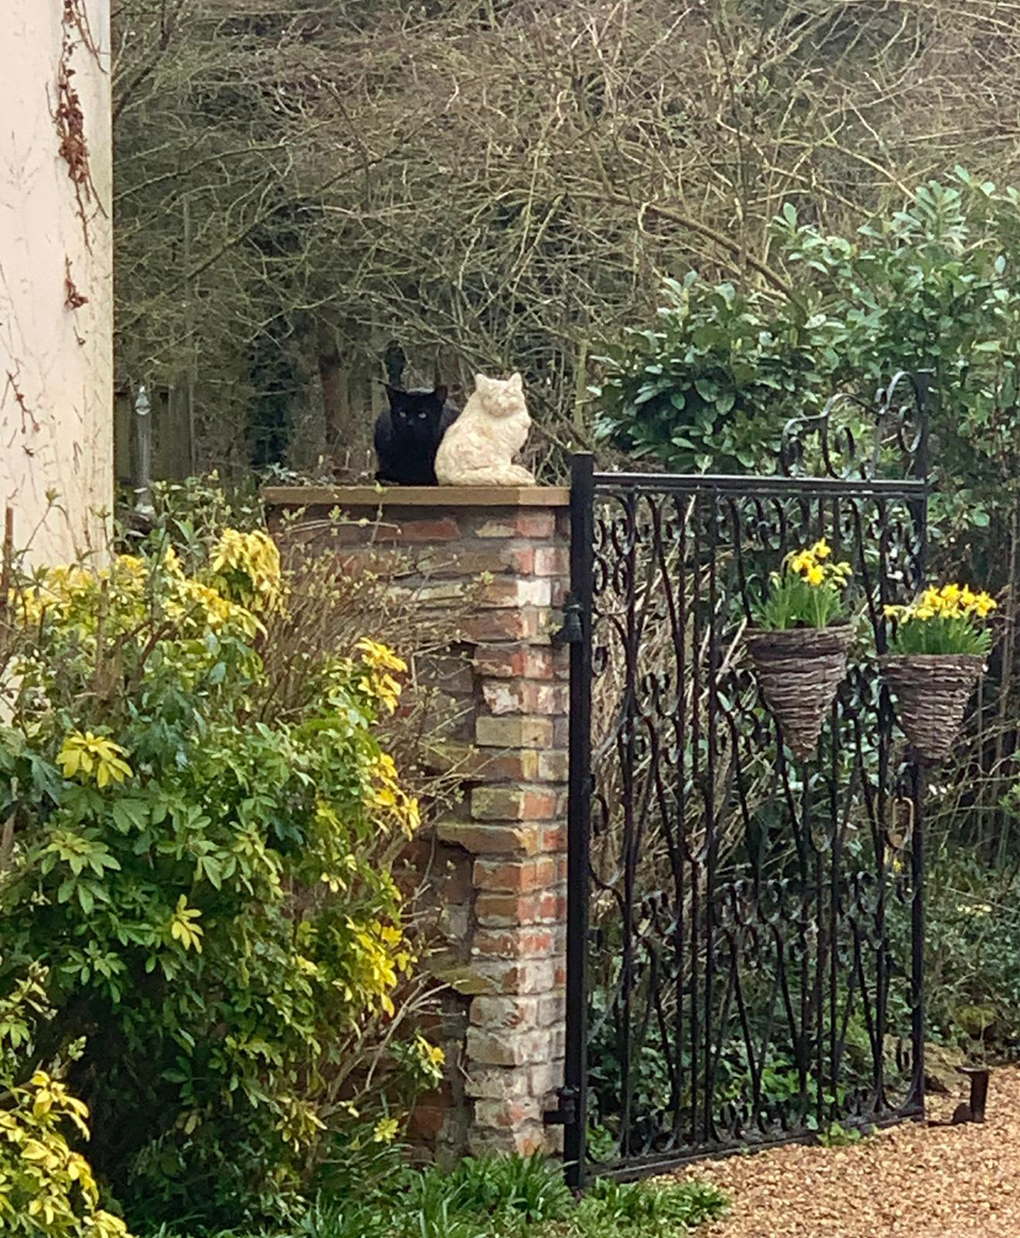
[[932, 691], [798, 672]]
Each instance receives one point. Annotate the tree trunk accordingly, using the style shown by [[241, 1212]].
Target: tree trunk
[[335, 394]]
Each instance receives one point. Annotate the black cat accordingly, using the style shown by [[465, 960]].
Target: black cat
[[408, 434]]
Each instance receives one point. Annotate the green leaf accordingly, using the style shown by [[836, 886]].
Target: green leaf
[[86, 898]]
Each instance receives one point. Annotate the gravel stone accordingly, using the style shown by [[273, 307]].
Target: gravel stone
[[925, 1181]]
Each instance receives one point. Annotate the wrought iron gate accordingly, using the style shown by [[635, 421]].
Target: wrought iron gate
[[745, 931]]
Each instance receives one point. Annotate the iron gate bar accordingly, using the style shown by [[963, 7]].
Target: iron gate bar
[[856, 900], [767, 485], [582, 555]]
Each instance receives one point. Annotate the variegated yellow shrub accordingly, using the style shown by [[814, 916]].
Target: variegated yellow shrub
[[47, 1187], [206, 868]]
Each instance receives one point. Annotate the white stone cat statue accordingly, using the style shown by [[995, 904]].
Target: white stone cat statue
[[478, 449]]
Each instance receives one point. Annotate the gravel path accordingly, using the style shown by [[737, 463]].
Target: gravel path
[[928, 1182]]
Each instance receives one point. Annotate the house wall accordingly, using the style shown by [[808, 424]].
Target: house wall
[[56, 293]]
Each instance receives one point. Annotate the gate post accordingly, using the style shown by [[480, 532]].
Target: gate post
[[495, 864], [582, 541]]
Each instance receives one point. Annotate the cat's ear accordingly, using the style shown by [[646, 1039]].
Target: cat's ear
[[440, 393], [393, 394], [515, 382], [483, 384]]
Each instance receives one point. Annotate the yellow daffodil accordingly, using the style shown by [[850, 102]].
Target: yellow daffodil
[[942, 621], [386, 1130], [807, 592]]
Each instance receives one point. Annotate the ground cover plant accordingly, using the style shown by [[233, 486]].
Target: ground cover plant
[[493, 1197]]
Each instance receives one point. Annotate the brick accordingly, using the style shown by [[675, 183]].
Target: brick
[[552, 561], [518, 623], [533, 942], [490, 839], [454, 879], [513, 591], [505, 698], [521, 696], [371, 561], [515, 732], [529, 1138], [519, 976], [443, 529], [514, 804], [500, 661], [552, 1009], [498, 1082], [545, 1078], [320, 534], [467, 979], [554, 837], [454, 922], [553, 766], [516, 875], [508, 1114], [440, 594], [451, 673], [450, 717], [509, 524], [495, 528], [427, 1122], [495, 1013], [471, 763], [514, 1048], [535, 524], [461, 561], [506, 910], [515, 662]]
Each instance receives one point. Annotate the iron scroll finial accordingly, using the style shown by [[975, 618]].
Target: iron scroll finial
[[571, 632], [860, 439]]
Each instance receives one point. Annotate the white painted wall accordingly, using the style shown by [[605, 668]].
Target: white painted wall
[[57, 359]]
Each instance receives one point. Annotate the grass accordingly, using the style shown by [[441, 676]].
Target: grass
[[495, 1197]]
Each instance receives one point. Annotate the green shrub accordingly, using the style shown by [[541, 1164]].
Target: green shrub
[[501, 1197], [200, 856], [528, 1189], [972, 947], [655, 1209], [931, 286], [47, 1189]]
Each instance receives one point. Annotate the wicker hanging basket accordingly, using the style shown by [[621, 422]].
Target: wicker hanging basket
[[798, 672], [932, 691]]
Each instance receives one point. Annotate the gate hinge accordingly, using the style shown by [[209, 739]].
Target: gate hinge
[[566, 1114], [571, 633]]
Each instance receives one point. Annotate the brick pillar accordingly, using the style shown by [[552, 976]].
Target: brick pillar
[[498, 860]]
